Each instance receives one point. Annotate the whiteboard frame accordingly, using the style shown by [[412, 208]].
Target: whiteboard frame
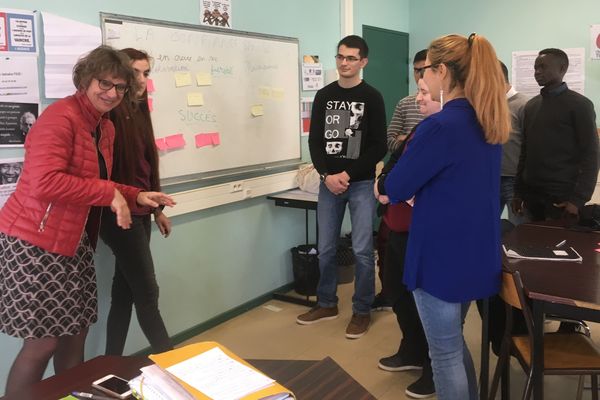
[[225, 175]]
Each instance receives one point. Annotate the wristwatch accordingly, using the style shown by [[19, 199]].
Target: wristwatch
[[323, 176]]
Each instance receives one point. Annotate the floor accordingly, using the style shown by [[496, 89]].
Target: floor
[[270, 332]]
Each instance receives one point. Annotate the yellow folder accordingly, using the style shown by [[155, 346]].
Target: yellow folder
[[170, 358]]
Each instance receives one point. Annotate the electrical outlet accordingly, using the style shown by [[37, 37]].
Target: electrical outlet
[[236, 187]]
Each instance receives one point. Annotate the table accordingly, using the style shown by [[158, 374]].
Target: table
[[323, 380], [566, 289], [306, 201], [297, 198]]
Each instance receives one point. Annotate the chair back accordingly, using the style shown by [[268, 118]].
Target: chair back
[[508, 291], [513, 294]]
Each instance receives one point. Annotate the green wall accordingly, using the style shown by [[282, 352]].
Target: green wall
[[223, 257], [388, 14], [513, 25]]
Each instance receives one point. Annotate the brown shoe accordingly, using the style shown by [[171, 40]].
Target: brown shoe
[[358, 326], [317, 314]]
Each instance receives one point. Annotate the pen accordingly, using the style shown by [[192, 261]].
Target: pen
[[562, 243], [91, 396]]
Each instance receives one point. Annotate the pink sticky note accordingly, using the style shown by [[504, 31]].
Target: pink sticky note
[[150, 104], [598, 250], [203, 139], [150, 85], [216, 138], [175, 141], [160, 144]]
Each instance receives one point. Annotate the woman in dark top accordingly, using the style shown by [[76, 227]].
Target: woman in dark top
[[136, 164]]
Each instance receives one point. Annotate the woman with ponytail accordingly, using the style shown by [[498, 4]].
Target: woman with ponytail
[[452, 168]]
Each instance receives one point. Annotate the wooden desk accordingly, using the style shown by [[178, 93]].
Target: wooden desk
[[566, 289], [318, 380]]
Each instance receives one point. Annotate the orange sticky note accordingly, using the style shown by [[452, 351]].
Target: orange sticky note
[[216, 138], [160, 144], [175, 141], [150, 104], [203, 139], [150, 85]]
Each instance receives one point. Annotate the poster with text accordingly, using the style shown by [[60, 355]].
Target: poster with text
[[595, 42], [16, 119], [523, 73], [10, 172], [216, 13], [17, 32], [3, 33], [19, 79], [312, 76]]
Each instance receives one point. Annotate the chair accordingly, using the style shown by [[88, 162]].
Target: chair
[[564, 353]]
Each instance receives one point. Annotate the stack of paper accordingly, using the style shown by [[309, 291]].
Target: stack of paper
[[541, 253], [204, 370]]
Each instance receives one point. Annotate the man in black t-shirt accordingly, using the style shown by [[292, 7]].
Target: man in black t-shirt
[[347, 139]]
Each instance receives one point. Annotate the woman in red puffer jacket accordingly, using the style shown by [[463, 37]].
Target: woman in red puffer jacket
[[49, 225]]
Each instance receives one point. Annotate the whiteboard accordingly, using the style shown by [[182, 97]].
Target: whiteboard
[[238, 91]]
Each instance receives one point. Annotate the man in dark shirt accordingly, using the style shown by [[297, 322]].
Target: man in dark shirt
[[347, 138], [558, 165]]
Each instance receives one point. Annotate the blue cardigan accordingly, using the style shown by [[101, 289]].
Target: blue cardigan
[[454, 242]]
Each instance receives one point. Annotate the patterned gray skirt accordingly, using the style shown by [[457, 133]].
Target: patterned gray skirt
[[45, 294]]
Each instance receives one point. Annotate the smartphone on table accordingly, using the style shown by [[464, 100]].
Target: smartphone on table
[[114, 386]]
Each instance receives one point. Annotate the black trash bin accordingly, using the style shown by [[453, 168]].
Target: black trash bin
[[305, 267]]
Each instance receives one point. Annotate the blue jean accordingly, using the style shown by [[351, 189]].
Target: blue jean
[[330, 214], [453, 370]]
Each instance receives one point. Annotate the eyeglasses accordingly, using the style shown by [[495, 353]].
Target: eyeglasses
[[421, 71], [107, 85], [350, 59]]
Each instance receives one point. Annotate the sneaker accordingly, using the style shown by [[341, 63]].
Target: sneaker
[[381, 303], [317, 314], [396, 363], [422, 388], [358, 326]]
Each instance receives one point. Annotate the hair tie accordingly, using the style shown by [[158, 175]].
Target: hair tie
[[471, 38]]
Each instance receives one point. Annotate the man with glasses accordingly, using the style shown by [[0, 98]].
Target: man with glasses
[[346, 140], [406, 114]]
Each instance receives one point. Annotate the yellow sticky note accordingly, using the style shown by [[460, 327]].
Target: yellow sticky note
[[264, 92], [183, 79], [195, 99], [277, 93], [203, 79], [257, 110]]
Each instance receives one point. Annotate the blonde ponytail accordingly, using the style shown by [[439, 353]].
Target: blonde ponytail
[[475, 69], [485, 88]]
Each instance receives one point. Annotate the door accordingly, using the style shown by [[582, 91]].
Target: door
[[387, 69]]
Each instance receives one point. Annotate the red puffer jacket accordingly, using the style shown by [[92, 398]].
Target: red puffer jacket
[[60, 179]]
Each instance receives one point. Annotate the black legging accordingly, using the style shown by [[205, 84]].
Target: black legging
[[414, 343], [134, 283]]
